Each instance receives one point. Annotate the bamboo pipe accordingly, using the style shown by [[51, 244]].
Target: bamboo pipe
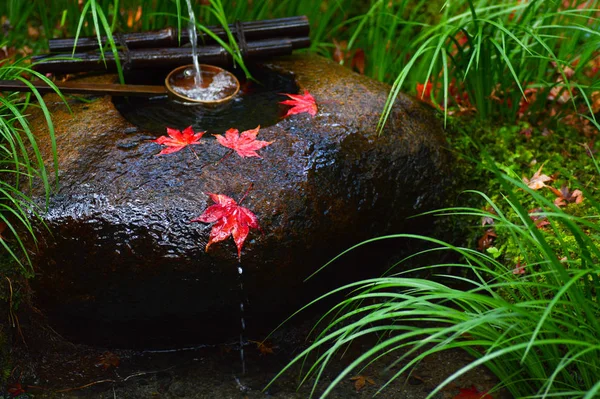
[[167, 58], [253, 30]]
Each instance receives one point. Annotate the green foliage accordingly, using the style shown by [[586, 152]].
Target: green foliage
[[537, 331], [493, 50], [484, 55], [21, 164]]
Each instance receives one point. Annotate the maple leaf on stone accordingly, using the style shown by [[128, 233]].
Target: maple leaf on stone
[[564, 196], [177, 140], [538, 180], [230, 219], [360, 381], [244, 144], [300, 103], [472, 393]]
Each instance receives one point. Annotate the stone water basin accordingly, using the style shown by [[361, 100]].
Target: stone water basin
[[120, 265]]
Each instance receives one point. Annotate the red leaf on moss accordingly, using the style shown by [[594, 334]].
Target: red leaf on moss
[[538, 180], [177, 140], [540, 221], [300, 103], [565, 196], [244, 144], [229, 219], [487, 240], [519, 268], [472, 393]]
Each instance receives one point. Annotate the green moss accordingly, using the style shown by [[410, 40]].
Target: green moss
[[520, 150]]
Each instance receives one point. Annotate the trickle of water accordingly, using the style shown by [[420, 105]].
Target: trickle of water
[[242, 320], [194, 42]]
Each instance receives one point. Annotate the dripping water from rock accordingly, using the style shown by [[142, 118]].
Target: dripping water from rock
[[243, 299]]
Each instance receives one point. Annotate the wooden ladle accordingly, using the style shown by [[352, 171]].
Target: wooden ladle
[[113, 89]]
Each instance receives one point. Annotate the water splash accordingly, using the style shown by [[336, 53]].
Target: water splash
[[193, 33], [216, 88]]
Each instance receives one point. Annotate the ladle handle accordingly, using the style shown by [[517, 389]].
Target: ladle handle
[[86, 88]]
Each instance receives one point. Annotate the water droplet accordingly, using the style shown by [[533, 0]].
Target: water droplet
[[240, 270]]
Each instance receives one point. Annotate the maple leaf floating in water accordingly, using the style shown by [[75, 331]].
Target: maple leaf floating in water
[[300, 103], [177, 140], [229, 219], [244, 144]]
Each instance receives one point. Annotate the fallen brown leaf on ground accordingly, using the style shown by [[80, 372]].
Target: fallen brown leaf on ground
[[108, 360], [564, 196], [360, 381], [538, 180]]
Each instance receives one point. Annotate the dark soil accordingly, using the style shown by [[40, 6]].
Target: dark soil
[[50, 367]]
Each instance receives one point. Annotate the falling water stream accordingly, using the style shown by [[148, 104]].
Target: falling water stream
[[194, 42], [242, 320]]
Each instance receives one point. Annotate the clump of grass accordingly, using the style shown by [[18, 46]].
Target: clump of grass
[[21, 164], [536, 328], [483, 55]]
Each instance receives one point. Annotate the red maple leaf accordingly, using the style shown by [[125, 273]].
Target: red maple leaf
[[176, 140], [300, 103], [230, 219], [424, 90], [472, 393], [565, 196], [519, 268], [14, 390], [244, 144]]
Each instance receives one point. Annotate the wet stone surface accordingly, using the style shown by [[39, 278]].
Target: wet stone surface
[[121, 265]]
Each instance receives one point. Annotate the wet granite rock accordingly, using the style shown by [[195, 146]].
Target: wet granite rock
[[121, 265]]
